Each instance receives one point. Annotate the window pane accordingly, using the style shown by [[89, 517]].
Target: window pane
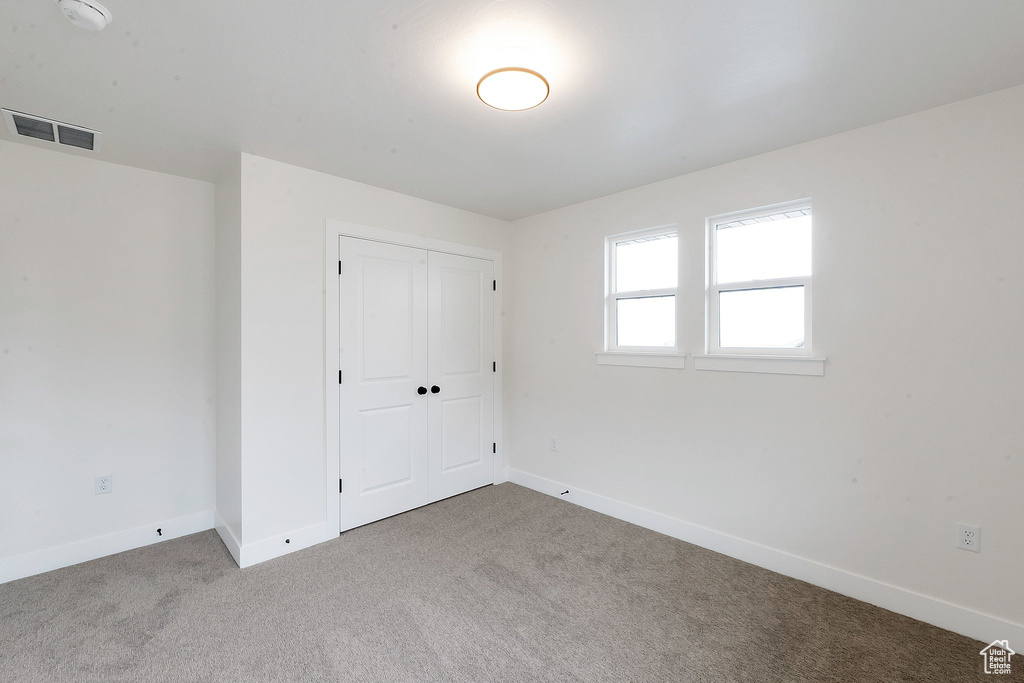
[[647, 321], [646, 263], [762, 318], [761, 251]]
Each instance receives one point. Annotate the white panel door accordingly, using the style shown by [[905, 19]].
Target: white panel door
[[460, 342], [383, 318]]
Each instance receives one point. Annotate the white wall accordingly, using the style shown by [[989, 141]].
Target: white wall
[[284, 213], [106, 355], [916, 424], [229, 356]]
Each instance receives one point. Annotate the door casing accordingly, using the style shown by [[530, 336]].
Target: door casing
[[334, 230]]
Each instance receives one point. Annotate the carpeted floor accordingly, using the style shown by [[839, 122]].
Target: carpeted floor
[[500, 584]]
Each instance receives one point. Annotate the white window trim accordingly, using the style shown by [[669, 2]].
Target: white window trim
[[801, 361], [772, 365], [641, 360], [642, 356]]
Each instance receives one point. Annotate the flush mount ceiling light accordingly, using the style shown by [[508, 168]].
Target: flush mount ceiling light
[[512, 88], [87, 14]]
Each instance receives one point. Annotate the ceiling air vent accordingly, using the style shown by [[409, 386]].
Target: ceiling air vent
[[40, 128]]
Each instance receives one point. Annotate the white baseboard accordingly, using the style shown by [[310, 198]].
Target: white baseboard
[[48, 559], [962, 620], [282, 544], [228, 537]]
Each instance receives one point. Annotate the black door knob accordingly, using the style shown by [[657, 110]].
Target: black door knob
[[421, 391], [435, 389]]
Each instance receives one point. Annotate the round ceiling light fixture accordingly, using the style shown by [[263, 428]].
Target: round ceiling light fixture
[[512, 88], [87, 14]]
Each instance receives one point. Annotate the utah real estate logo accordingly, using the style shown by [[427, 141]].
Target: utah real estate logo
[[997, 657]]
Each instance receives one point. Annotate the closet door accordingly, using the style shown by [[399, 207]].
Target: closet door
[[383, 335], [460, 343]]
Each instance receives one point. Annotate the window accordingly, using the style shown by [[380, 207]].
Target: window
[[641, 283], [759, 284]]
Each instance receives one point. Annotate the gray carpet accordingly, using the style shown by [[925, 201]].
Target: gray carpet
[[500, 584]]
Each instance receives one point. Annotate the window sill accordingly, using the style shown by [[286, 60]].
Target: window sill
[[773, 365], [641, 359]]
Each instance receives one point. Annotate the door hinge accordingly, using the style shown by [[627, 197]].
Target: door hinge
[[494, 285], [494, 448], [341, 486], [340, 373], [494, 366], [339, 267]]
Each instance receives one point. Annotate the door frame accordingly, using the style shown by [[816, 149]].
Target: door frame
[[333, 231]]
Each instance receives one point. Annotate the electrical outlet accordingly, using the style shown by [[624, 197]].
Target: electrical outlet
[[554, 444], [104, 484], [968, 537]]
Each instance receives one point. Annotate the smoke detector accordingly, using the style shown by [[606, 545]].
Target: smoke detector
[[87, 14]]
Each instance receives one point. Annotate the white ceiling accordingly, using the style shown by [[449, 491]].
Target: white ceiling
[[383, 91]]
